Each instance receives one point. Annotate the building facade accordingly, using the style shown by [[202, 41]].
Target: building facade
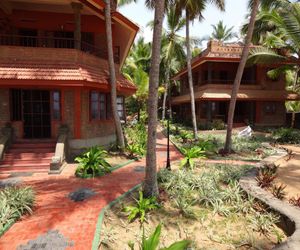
[[260, 102], [54, 70]]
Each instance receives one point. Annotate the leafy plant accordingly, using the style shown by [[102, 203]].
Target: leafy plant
[[14, 202], [136, 139], [92, 163], [152, 243], [295, 201], [190, 154], [266, 175], [287, 135], [263, 223], [185, 136], [208, 146], [142, 206], [278, 191], [135, 150]]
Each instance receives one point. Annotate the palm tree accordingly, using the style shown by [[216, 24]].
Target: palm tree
[[141, 79], [193, 9], [173, 54], [281, 44], [238, 78], [150, 185], [112, 71], [221, 32]]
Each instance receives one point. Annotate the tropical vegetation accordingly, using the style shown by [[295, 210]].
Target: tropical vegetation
[[15, 202]]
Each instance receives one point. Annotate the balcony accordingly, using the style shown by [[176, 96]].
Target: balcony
[[58, 43]]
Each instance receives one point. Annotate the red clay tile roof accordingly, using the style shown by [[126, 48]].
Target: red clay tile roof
[[62, 71]]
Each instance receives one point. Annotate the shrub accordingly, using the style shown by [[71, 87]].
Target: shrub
[[190, 154], [208, 146], [142, 206], [136, 136], [266, 175], [263, 223], [287, 135], [152, 242], [92, 163], [295, 201], [278, 191], [218, 125], [14, 202], [185, 136]]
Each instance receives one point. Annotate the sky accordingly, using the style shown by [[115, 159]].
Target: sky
[[234, 15]]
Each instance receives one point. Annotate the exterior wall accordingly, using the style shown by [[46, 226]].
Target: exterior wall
[[278, 118], [4, 107], [93, 133]]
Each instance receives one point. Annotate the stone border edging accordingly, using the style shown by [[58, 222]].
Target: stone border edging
[[249, 184], [96, 241]]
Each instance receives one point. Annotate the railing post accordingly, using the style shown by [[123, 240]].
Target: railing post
[[77, 7]]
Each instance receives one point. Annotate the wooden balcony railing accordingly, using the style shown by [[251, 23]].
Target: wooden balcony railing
[[57, 42]]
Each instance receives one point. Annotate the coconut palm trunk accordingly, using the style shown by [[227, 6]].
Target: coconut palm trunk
[[112, 72], [190, 75], [167, 86], [238, 77], [150, 184], [294, 89]]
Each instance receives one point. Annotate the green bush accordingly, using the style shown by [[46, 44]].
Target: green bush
[[136, 136], [218, 125], [190, 154], [142, 206], [14, 202], [287, 135], [92, 163]]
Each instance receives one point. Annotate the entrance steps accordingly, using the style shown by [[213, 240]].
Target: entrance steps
[[28, 156]]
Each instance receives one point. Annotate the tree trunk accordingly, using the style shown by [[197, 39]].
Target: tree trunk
[[166, 94], [238, 78], [150, 185], [112, 72], [293, 120], [190, 75]]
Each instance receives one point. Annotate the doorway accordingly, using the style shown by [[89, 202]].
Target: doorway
[[36, 113]]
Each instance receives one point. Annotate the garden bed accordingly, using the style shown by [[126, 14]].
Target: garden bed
[[204, 205]]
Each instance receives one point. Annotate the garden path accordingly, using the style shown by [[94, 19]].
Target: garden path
[[289, 172], [63, 222]]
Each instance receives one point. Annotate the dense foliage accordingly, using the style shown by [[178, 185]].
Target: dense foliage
[[136, 136], [287, 135], [14, 202], [92, 163]]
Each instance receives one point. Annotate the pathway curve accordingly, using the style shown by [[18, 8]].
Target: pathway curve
[[74, 223]]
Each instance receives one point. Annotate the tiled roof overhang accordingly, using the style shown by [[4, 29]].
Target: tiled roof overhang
[[245, 94], [59, 74]]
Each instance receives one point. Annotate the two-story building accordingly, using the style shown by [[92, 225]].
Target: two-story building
[[54, 70], [260, 101]]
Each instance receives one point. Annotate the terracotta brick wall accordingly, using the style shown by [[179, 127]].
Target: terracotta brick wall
[[92, 129], [68, 110], [276, 119]]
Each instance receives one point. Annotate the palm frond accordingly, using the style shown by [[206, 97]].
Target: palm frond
[[261, 55]]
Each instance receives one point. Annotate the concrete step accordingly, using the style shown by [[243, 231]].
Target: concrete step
[[25, 156], [26, 165], [33, 145], [30, 150]]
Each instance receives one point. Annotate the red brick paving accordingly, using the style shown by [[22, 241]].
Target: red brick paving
[[76, 221]]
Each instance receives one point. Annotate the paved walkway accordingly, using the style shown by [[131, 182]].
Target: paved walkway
[[75, 221], [289, 172]]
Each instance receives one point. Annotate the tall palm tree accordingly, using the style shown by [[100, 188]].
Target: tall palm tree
[[238, 77], [193, 9], [112, 78], [150, 185], [173, 54], [222, 33]]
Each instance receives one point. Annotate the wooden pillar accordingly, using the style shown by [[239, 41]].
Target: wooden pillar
[[77, 7], [209, 111], [258, 112], [77, 114]]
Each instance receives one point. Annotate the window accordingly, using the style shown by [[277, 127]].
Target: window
[[98, 105], [56, 108], [120, 107], [16, 104], [270, 108]]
